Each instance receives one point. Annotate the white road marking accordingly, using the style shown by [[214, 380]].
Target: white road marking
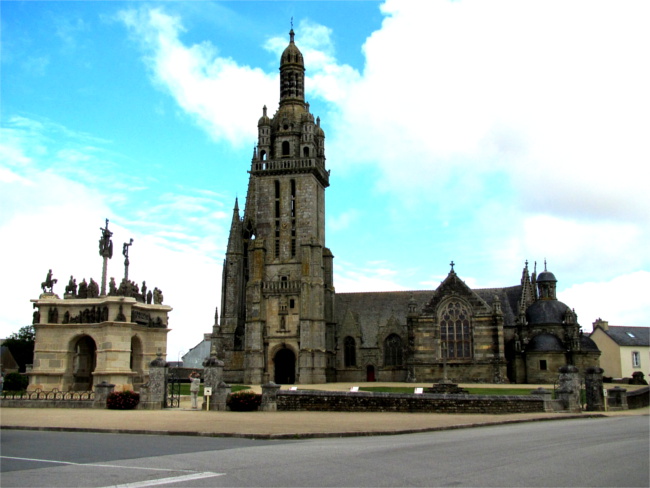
[[164, 481], [96, 465]]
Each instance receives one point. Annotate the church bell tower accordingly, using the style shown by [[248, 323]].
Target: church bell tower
[[277, 289]]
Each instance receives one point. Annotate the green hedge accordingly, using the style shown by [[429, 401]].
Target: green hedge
[[244, 401]]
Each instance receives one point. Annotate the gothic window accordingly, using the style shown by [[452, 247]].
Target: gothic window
[[455, 331], [286, 148], [393, 350], [305, 152], [263, 155], [349, 352], [239, 338]]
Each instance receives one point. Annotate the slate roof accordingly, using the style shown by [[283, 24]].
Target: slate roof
[[376, 308], [640, 336]]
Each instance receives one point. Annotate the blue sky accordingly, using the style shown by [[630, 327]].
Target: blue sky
[[488, 133]]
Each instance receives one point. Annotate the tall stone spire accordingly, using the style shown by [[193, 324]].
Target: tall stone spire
[[234, 239]]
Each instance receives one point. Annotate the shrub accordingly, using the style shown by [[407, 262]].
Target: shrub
[[15, 382], [122, 400], [244, 401]]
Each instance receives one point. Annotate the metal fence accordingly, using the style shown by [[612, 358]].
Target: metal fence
[[53, 394]]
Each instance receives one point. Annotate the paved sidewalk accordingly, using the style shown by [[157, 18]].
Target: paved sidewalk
[[263, 425]]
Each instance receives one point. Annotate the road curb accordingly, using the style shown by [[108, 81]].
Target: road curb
[[296, 436]]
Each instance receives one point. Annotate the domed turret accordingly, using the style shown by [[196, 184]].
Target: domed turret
[[292, 54], [546, 284], [546, 312], [292, 76], [545, 342], [264, 119], [546, 276]]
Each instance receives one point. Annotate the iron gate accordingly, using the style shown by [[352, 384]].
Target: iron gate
[[172, 389]]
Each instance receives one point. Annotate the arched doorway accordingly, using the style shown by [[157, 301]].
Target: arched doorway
[[136, 360], [84, 363], [285, 367], [370, 373]]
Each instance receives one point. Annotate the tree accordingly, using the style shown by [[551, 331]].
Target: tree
[[21, 346]]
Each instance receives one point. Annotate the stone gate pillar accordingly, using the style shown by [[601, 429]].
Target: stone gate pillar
[[152, 393], [569, 390], [594, 389], [212, 378], [269, 397], [221, 396], [102, 390]]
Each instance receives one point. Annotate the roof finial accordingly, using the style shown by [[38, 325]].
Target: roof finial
[[452, 266], [291, 34], [544, 264]]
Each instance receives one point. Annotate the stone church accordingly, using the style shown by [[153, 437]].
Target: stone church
[[281, 319]]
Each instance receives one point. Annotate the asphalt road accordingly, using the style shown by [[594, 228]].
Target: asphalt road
[[585, 452]]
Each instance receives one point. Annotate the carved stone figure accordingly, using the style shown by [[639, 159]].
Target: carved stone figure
[[112, 288], [53, 315], [48, 283], [71, 288], [120, 316], [83, 289], [157, 296], [93, 289], [149, 297], [105, 243]]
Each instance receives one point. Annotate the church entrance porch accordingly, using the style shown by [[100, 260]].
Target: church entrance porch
[[285, 367]]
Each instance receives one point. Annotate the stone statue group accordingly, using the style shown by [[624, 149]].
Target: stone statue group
[[90, 289], [85, 290], [130, 288]]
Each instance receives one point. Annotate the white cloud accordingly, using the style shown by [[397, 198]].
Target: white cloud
[[373, 276], [550, 94], [620, 301], [221, 95], [51, 218], [529, 117]]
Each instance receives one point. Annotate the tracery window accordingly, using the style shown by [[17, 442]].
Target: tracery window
[[349, 352], [393, 350], [455, 331]]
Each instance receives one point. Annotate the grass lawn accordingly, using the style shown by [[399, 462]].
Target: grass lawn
[[472, 391], [185, 388]]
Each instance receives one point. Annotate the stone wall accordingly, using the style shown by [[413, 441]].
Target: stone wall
[[288, 400], [639, 398]]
